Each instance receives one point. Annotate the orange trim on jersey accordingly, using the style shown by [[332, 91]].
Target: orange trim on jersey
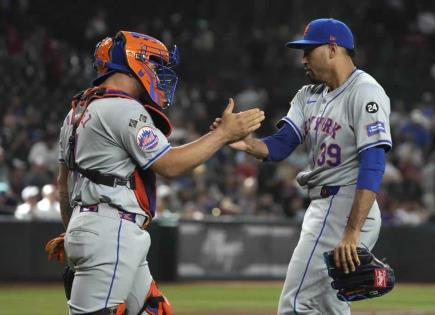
[[141, 194]]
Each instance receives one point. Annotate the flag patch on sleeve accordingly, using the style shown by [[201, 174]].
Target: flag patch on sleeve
[[375, 128]]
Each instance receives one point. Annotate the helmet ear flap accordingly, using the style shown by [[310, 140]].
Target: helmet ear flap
[[102, 55], [117, 52]]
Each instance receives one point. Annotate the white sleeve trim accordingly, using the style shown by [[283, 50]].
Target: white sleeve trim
[[374, 144], [157, 156]]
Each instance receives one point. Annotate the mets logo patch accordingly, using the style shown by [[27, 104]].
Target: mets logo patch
[[147, 139]]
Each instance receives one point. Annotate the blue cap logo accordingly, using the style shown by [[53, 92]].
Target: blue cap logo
[[325, 31], [306, 29]]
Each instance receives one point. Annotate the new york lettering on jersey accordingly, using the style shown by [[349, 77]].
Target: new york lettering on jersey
[[322, 124], [335, 126]]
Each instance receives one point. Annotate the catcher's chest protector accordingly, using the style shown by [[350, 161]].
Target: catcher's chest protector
[[143, 182]]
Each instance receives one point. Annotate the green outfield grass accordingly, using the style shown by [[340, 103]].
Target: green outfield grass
[[211, 298]]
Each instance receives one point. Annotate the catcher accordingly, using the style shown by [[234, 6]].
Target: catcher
[[112, 144]]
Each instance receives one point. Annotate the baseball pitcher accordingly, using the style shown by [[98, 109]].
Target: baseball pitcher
[[342, 118]]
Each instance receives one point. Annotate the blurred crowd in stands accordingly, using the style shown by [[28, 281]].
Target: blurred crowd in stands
[[228, 49]]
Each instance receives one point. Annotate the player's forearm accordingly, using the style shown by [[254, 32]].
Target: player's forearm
[[65, 208], [182, 159], [257, 148], [361, 206], [275, 147]]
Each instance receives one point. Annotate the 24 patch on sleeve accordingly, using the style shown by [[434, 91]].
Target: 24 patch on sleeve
[[147, 138], [372, 107], [375, 128]]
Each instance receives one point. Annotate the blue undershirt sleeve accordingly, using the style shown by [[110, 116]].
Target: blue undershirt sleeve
[[371, 169], [282, 143]]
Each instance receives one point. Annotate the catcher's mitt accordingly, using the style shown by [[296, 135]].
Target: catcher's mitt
[[372, 278], [156, 303], [54, 248]]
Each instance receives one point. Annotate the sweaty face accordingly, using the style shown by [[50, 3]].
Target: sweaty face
[[315, 62]]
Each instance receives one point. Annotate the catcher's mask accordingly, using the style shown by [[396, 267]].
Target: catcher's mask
[[146, 58]]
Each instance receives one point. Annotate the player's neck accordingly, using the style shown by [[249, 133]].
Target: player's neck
[[122, 82], [339, 75]]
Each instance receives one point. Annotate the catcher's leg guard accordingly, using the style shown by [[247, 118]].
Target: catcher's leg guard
[[68, 278], [116, 310], [156, 303]]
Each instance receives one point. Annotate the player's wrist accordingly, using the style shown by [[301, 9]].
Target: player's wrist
[[220, 136], [352, 232], [256, 148], [250, 146]]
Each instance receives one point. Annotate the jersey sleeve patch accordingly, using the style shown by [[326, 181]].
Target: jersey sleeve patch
[[375, 128], [372, 107], [147, 139]]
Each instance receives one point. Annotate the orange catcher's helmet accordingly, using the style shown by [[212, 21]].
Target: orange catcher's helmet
[[145, 57], [101, 55]]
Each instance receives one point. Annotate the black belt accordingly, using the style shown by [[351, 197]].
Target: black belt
[[106, 179], [327, 191], [319, 192]]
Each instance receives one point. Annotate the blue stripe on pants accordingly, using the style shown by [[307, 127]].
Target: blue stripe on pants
[[116, 263], [311, 255]]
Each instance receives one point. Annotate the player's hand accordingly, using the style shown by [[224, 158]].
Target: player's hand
[[215, 124], [236, 126], [240, 145], [345, 254]]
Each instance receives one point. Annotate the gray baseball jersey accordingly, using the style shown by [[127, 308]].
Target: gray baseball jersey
[[115, 136], [337, 125], [334, 126], [120, 135]]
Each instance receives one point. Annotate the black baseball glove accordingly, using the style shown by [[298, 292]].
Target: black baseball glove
[[372, 278]]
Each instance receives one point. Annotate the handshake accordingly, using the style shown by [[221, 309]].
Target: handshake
[[234, 127]]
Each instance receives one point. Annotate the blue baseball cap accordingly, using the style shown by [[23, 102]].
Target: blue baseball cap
[[325, 31]]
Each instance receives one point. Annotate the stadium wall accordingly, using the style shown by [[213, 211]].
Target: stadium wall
[[222, 248]]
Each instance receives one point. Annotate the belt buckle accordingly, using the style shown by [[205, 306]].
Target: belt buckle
[[324, 192], [327, 191], [115, 182], [119, 181]]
